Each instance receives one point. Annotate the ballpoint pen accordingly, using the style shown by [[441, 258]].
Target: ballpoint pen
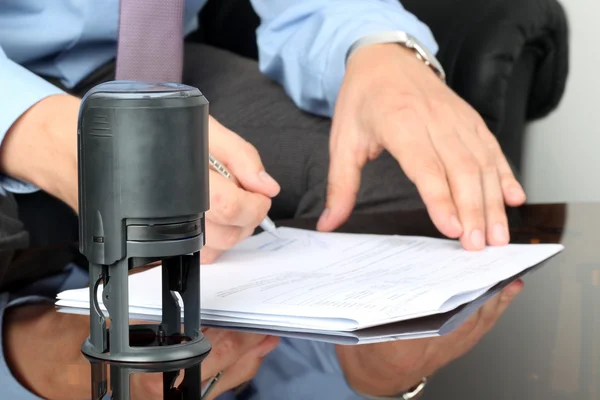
[[267, 224], [210, 385]]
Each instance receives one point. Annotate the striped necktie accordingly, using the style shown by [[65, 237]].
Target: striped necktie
[[150, 44]]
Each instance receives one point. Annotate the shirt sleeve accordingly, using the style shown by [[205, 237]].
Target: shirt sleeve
[[303, 45], [302, 369], [21, 89]]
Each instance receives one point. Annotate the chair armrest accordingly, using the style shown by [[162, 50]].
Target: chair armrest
[[507, 58]]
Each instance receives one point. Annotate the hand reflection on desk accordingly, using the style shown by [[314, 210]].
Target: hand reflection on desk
[[45, 356], [43, 350], [389, 368]]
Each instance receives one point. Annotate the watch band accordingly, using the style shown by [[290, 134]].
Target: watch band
[[405, 40], [413, 394]]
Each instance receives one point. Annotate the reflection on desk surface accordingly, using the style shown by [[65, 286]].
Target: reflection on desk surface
[[547, 344]]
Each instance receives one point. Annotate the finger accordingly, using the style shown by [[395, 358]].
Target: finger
[[411, 145], [209, 255], [242, 160], [496, 222], [244, 369], [486, 318], [343, 182], [508, 295], [227, 349], [224, 237], [513, 192], [231, 205]]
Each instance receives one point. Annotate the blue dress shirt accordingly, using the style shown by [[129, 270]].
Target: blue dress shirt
[[302, 46]]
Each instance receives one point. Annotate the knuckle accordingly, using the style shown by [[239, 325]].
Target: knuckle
[[471, 323], [469, 168], [227, 348], [508, 178], [433, 167], [250, 150], [472, 209], [488, 164], [227, 208]]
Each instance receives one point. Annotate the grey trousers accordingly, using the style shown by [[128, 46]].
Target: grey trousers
[[293, 145], [13, 236]]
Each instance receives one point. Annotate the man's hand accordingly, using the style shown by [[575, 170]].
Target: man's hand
[[236, 207], [390, 100], [386, 369], [43, 351], [41, 148]]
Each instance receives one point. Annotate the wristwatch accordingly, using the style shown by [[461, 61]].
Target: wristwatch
[[413, 394], [406, 40]]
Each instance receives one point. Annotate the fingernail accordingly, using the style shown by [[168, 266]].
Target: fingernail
[[267, 179], [455, 223], [477, 239], [500, 233], [511, 292]]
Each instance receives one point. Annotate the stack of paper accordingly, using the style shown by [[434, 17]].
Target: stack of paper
[[350, 288]]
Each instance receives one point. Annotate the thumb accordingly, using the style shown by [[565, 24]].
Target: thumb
[[342, 186], [241, 159]]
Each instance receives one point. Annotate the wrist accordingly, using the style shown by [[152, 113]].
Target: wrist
[[41, 147], [400, 43], [370, 376]]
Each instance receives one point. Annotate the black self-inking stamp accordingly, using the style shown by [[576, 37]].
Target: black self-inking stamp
[[143, 192]]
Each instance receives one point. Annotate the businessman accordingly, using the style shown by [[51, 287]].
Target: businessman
[[339, 115]]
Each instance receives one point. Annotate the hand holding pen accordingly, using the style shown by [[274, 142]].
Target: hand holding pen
[[240, 192], [266, 224]]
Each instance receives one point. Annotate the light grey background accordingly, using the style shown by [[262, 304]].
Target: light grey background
[[561, 160]]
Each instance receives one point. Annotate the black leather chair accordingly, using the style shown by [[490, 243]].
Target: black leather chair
[[507, 58]]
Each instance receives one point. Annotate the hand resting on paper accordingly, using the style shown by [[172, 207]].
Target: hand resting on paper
[[43, 351], [390, 100], [386, 369]]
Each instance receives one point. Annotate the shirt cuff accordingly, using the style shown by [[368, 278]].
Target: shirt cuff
[[21, 89], [303, 369]]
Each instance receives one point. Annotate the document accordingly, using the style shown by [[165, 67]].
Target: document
[[341, 284]]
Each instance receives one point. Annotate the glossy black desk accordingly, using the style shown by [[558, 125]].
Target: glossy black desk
[[547, 344]]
